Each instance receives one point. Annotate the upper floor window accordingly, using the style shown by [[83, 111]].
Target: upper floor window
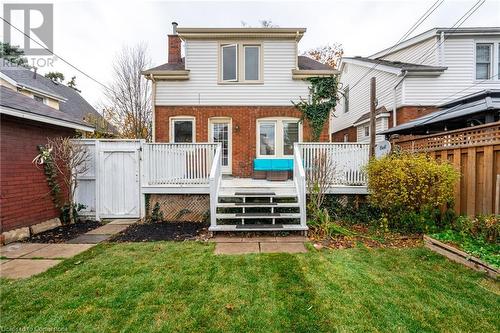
[[346, 99], [230, 62], [484, 61], [240, 63]]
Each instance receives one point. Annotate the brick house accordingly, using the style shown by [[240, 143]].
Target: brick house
[[414, 78], [234, 86], [30, 113]]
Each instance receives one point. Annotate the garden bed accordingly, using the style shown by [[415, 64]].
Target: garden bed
[[361, 235], [471, 252], [163, 231], [64, 233]]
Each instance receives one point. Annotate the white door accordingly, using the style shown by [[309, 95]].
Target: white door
[[220, 130], [119, 192]]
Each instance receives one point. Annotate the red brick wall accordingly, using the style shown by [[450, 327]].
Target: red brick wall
[[407, 113], [24, 196], [351, 133], [174, 49], [244, 127]]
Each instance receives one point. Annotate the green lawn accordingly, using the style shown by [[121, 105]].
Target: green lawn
[[183, 287]]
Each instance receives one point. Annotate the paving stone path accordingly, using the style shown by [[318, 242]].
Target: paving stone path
[[22, 260], [242, 245]]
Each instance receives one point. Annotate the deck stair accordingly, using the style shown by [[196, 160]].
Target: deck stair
[[251, 205]]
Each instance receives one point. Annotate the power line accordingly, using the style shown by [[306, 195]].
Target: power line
[[58, 56], [460, 21], [422, 18]]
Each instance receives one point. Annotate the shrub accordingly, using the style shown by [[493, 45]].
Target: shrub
[[351, 209], [482, 226], [156, 214], [408, 189]]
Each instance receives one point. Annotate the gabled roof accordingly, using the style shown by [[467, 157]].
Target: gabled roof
[[70, 101], [467, 106], [472, 31], [396, 67], [306, 63], [18, 105]]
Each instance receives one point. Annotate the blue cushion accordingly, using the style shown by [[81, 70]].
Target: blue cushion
[[272, 164]]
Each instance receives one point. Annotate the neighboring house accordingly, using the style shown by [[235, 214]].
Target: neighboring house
[[42, 89], [234, 86], [31, 113], [414, 77]]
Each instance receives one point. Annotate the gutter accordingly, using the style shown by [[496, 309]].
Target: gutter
[[153, 101], [395, 102]]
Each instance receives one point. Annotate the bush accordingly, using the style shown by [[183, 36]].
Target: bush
[[482, 226], [351, 209], [409, 189]]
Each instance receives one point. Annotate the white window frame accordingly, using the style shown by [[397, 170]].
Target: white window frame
[[279, 142], [366, 131], [346, 137], [259, 65], [222, 62], [494, 59], [172, 120], [240, 59]]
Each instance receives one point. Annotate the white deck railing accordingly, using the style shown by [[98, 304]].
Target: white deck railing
[[299, 178], [347, 159], [178, 164], [214, 184]]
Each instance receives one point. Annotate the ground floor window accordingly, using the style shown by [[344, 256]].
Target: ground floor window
[[182, 130], [276, 136]]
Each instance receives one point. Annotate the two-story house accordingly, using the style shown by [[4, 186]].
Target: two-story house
[[414, 78], [234, 86]]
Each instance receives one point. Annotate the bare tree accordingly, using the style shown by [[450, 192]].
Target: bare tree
[[328, 54], [129, 97], [66, 159], [319, 178]]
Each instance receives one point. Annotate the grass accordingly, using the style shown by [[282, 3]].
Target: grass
[[476, 246], [183, 287]]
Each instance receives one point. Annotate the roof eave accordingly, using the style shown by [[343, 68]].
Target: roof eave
[[45, 119], [250, 33], [166, 74], [300, 74]]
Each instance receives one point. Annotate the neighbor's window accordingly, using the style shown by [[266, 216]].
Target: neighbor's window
[[483, 61], [38, 98], [252, 59], [346, 137], [267, 138], [183, 130], [290, 136], [498, 56], [346, 99], [367, 130], [230, 62]]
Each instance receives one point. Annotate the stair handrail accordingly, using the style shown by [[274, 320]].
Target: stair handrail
[[299, 178], [214, 181]]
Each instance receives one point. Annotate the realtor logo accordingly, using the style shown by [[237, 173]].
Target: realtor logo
[[35, 20]]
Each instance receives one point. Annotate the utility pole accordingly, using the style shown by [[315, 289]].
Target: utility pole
[[373, 106]]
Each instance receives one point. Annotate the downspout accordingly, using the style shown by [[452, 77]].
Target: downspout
[[153, 102], [394, 96]]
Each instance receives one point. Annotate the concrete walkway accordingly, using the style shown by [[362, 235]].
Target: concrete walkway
[[243, 245], [22, 260]]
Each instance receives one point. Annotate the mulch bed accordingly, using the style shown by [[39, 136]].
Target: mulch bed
[[64, 233], [362, 236], [163, 231]]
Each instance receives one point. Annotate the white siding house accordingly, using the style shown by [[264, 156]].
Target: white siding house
[[203, 88], [422, 72]]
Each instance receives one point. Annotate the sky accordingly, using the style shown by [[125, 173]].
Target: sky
[[89, 34]]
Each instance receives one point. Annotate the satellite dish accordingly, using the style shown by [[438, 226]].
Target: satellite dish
[[382, 148]]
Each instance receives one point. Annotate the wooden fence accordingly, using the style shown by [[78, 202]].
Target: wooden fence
[[476, 153]]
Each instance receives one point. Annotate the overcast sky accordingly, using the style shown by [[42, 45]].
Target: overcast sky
[[89, 33]]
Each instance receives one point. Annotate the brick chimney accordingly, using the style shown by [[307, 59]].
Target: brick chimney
[[174, 46]]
